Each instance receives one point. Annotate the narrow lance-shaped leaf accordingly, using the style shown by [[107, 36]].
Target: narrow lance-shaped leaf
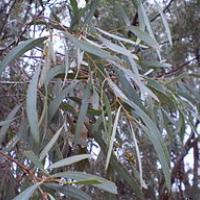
[[145, 37], [50, 144], [118, 49], [122, 14], [103, 183], [26, 194], [85, 46], [165, 23], [147, 23], [112, 138], [138, 156], [117, 166], [69, 161], [2, 123], [91, 11], [69, 191], [7, 122], [55, 103], [145, 18], [119, 38], [83, 112], [151, 130], [31, 106], [20, 50], [51, 197], [75, 13]]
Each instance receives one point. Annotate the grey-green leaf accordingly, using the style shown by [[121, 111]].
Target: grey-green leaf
[[69, 161], [91, 10], [85, 46], [31, 106], [80, 176], [50, 144], [69, 191], [26, 194], [165, 23], [114, 130], [20, 50], [7, 122], [55, 103], [144, 36], [83, 112], [152, 132]]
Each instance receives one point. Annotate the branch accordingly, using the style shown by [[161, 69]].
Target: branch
[[25, 169], [164, 10], [188, 145], [176, 70]]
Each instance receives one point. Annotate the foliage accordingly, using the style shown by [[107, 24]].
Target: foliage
[[95, 83]]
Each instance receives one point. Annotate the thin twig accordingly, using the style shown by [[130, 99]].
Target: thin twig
[[164, 10]]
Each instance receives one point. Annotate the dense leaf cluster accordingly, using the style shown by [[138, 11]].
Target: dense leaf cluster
[[91, 109]]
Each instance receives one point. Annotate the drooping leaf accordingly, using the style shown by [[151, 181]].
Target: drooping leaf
[[119, 38], [51, 197], [152, 132], [74, 13], [31, 106], [181, 125], [154, 64], [5, 124], [80, 176], [55, 103], [145, 18], [27, 193], [69, 161], [83, 112], [114, 130], [2, 123], [91, 10], [118, 49], [147, 23], [20, 50], [85, 46], [53, 72], [126, 87], [138, 156], [50, 144], [69, 191], [145, 37], [131, 179], [122, 14], [155, 137], [165, 23]]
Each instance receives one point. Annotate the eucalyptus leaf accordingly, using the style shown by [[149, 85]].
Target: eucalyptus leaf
[[80, 176], [91, 10], [20, 50], [55, 103], [27, 193], [69, 161], [83, 112], [85, 46], [145, 37], [152, 132], [114, 130], [69, 191], [7, 122], [31, 106], [165, 23], [50, 144]]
